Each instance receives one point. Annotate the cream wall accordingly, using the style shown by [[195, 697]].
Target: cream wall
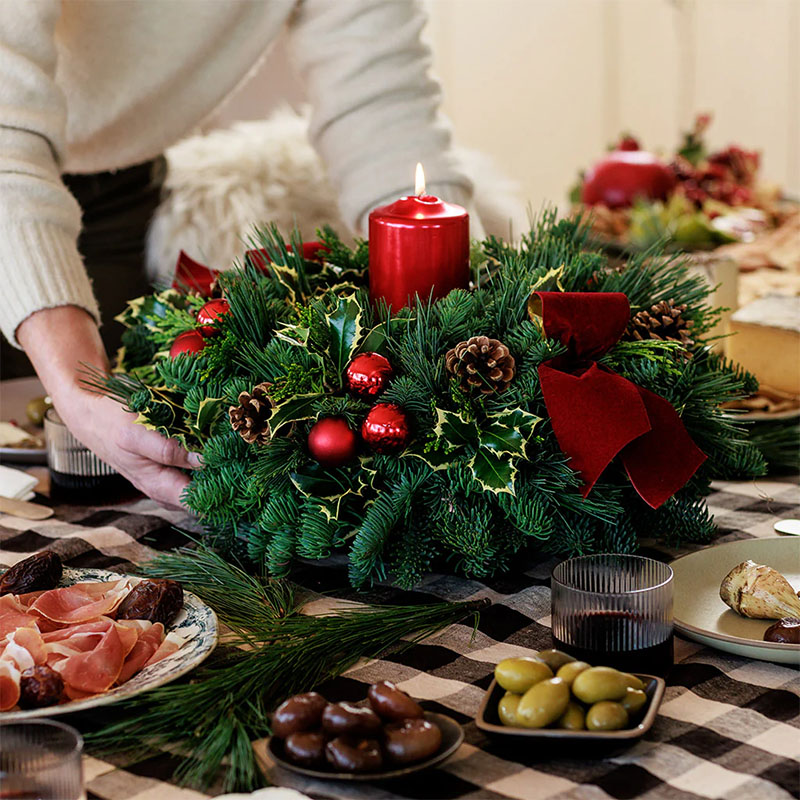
[[543, 85]]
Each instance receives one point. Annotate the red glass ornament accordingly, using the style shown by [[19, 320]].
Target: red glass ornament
[[211, 312], [188, 342], [386, 429], [332, 442], [368, 374], [417, 246]]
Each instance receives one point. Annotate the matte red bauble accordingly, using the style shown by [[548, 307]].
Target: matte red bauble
[[625, 176], [385, 429], [332, 442], [188, 342], [368, 374], [212, 311]]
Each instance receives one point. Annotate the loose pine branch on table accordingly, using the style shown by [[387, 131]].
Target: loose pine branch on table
[[482, 477]]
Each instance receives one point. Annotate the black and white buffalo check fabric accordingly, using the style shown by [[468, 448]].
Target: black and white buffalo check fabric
[[728, 728]]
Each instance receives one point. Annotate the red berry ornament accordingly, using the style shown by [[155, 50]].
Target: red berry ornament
[[332, 442], [212, 311], [385, 429], [368, 374], [189, 342], [625, 176]]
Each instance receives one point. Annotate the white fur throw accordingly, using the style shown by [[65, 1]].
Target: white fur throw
[[220, 184]]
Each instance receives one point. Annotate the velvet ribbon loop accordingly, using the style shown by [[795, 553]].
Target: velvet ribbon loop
[[597, 414]]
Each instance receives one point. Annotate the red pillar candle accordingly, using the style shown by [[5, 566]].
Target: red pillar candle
[[417, 245]]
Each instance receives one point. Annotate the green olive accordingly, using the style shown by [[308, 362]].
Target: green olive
[[555, 659], [519, 674], [606, 716], [36, 409], [543, 703], [599, 683], [573, 719], [507, 708], [634, 700], [570, 671], [633, 681]]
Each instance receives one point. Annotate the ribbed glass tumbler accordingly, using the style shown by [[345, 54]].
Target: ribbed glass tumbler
[[40, 759], [614, 610]]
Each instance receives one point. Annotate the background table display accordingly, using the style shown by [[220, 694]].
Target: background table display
[[729, 727]]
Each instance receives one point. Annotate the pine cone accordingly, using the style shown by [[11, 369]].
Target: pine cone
[[249, 418], [663, 320], [482, 364]]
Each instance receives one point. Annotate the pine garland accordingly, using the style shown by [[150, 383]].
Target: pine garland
[[446, 501]]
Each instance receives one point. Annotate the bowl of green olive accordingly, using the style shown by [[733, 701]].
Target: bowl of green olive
[[551, 695]]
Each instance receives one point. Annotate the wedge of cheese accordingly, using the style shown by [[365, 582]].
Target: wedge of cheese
[[766, 341]]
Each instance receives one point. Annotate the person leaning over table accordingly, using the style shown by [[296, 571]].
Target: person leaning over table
[[92, 92]]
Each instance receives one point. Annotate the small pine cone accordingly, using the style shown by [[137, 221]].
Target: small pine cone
[[249, 418], [482, 364], [663, 320]]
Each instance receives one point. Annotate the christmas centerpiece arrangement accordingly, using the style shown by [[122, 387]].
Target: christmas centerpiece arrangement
[[417, 406], [695, 198]]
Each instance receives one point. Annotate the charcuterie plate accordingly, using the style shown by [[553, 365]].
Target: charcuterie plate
[[196, 624]]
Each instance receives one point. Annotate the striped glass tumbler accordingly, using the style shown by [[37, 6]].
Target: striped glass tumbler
[[614, 610]]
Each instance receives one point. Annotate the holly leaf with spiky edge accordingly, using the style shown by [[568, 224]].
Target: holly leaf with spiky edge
[[344, 325], [315, 480], [297, 408], [494, 472], [454, 429], [509, 431], [208, 412]]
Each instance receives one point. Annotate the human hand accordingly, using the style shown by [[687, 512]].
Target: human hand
[[59, 341]]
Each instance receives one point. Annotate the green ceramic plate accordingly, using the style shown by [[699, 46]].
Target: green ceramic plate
[[701, 615]]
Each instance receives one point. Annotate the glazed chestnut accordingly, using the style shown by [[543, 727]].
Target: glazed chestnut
[[346, 718], [302, 712], [349, 754], [306, 748], [40, 687], [411, 740], [155, 600], [39, 571], [392, 703], [785, 631]]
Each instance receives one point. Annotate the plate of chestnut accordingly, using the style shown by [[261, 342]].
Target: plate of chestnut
[[388, 737]]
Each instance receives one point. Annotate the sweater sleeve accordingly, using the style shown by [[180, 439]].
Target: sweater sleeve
[[40, 266], [375, 108]]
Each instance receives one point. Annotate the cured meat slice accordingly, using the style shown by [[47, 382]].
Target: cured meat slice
[[96, 670], [145, 648], [100, 625], [25, 647], [81, 602], [171, 643], [9, 685], [13, 615]]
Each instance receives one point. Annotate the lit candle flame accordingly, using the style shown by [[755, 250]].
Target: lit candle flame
[[419, 181]]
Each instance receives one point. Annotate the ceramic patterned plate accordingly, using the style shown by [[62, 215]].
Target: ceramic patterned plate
[[701, 615], [196, 624]]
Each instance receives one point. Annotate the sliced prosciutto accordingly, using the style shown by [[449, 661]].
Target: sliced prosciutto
[[171, 644], [79, 603], [147, 645], [14, 615], [96, 670], [9, 685]]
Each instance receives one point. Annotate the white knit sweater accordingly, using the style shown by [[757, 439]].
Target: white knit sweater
[[94, 85]]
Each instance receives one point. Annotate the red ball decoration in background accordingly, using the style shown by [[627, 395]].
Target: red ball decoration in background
[[624, 176], [332, 442], [211, 312], [191, 342], [368, 374], [386, 429]]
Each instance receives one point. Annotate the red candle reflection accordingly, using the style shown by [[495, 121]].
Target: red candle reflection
[[417, 245]]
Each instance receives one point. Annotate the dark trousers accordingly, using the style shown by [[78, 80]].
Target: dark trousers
[[117, 208]]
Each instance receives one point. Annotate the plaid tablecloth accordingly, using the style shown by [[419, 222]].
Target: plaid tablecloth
[[729, 727]]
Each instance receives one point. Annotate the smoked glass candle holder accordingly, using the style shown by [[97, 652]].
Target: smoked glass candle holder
[[40, 759], [77, 475], [614, 610]]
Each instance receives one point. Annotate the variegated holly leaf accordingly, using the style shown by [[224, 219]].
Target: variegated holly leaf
[[328, 484], [435, 459], [375, 339], [208, 412], [495, 473], [293, 334], [296, 408], [455, 429], [344, 325], [150, 309], [501, 438]]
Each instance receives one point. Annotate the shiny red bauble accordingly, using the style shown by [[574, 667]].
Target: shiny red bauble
[[332, 442], [368, 374], [212, 311], [189, 342], [386, 428], [625, 176]]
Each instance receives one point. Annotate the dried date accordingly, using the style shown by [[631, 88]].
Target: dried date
[[40, 687], [39, 571], [156, 600]]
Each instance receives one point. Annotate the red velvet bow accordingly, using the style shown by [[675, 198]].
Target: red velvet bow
[[193, 276], [596, 413]]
